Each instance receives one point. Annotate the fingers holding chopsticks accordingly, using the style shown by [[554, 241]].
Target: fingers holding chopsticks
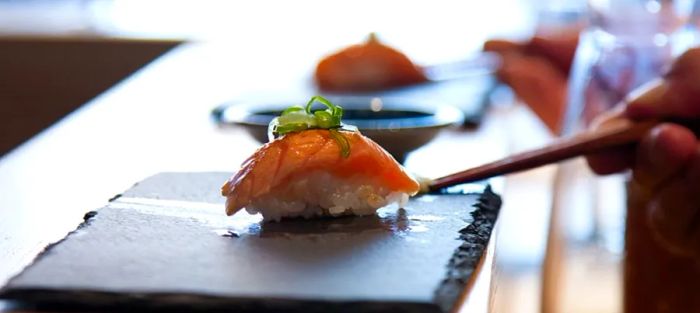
[[676, 95], [663, 153], [666, 162]]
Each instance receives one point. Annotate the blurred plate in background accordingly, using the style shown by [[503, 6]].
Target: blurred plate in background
[[400, 125]]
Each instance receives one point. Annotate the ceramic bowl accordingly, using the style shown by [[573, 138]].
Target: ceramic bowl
[[397, 124]]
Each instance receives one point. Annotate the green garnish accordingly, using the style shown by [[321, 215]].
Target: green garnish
[[297, 118], [342, 142]]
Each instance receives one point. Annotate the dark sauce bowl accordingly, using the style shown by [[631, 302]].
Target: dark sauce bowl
[[399, 125]]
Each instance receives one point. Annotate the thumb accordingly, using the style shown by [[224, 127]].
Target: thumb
[[662, 154]]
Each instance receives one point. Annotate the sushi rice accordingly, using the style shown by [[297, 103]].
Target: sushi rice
[[322, 194]]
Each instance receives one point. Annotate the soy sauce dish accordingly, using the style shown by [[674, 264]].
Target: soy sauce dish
[[398, 125]]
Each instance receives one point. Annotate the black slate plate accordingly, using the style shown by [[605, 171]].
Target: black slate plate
[[166, 244]]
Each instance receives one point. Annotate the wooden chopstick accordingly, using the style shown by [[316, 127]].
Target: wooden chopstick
[[627, 132]]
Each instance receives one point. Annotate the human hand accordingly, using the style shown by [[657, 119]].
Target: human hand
[[666, 163], [537, 71]]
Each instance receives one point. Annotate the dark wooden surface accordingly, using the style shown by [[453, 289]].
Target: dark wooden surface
[[42, 79]]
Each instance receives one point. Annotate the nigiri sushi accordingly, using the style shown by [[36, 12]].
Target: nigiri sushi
[[368, 66], [317, 167]]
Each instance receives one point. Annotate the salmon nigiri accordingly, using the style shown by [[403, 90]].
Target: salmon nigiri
[[368, 66], [317, 167]]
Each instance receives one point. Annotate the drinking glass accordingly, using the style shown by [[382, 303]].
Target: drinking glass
[[626, 44]]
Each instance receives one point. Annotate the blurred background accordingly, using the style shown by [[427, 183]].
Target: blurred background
[[56, 56]]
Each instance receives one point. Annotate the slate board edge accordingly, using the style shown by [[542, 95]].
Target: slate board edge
[[47, 299], [87, 217], [86, 221], [475, 239]]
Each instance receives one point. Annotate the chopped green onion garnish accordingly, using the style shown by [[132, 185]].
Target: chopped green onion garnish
[[297, 118], [342, 142], [291, 109]]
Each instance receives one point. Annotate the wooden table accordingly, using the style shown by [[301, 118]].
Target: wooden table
[[158, 120], [69, 71]]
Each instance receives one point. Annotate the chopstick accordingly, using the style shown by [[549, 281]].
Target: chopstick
[[627, 132]]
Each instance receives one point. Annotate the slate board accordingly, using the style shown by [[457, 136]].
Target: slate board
[[166, 244]]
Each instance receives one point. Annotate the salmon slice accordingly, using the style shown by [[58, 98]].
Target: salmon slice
[[293, 156]]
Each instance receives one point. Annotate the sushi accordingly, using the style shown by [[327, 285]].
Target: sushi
[[316, 166], [368, 66]]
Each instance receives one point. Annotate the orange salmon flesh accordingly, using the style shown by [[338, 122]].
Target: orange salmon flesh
[[293, 155]]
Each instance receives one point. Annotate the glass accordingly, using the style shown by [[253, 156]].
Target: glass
[[626, 44]]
